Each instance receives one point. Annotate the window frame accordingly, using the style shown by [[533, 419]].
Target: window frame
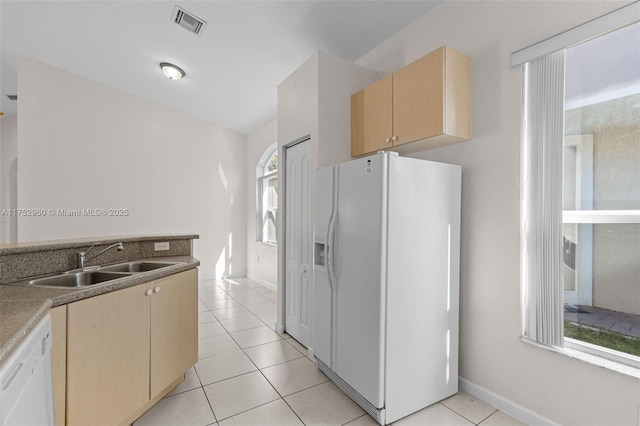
[[262, 179], [605, 357]]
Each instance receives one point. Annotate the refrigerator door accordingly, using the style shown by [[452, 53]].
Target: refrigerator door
[[422, 295], [323, 295], [359, 270]]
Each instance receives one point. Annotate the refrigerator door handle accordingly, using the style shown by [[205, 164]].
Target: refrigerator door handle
[[329, 249]]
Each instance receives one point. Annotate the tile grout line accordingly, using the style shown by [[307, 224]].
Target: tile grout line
[[469, 420], [259, 370], [208, 402], [488, 416], [271, 384], [201, 384]]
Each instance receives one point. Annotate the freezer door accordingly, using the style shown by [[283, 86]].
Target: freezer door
[[323, 306], [359, 269]]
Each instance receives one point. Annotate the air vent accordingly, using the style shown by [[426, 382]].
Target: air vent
[[12, 97], [187, 20]]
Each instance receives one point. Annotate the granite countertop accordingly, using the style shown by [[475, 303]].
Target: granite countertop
[[22, 307]]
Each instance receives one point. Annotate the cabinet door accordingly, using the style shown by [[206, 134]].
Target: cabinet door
[[107, 357], [174, 328], [418, 91], [372, 117]]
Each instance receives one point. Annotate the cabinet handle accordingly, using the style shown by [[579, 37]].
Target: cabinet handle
[[394, 138], [387, 140], [156, 290], [149, 292]]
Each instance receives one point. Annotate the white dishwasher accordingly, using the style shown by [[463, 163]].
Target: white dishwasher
[[25, 380]]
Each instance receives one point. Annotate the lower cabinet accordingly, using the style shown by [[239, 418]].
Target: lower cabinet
[[126, 347], [59, 361], [174, 328]]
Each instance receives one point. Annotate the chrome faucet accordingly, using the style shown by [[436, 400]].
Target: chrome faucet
[[82, 258]]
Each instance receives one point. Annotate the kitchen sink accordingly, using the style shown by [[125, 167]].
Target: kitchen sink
[[138, 266], [92, 275], [73, 279]]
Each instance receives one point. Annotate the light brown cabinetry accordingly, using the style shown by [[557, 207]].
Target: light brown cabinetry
[[174, 333], [429, 100], [126, 347], [371, 117], [59, 361]]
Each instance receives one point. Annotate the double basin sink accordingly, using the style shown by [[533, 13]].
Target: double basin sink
[[92, 275]]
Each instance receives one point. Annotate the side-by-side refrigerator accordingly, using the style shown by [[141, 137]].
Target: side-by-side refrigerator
[[386, 265]]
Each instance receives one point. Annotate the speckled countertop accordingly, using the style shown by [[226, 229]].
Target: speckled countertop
[[22, 307]]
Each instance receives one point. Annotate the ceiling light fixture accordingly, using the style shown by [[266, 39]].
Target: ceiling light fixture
[[172, 72]]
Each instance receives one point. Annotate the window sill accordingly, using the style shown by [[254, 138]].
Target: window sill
[[601, 357], [267, 243]]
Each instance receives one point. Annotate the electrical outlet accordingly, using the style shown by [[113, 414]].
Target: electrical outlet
[[161, 246]]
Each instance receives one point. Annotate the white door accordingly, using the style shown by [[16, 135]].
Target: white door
[[297, 242]]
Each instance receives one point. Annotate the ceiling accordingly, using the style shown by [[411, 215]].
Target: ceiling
[[233, 67]]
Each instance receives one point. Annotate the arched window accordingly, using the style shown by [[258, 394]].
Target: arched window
[[267, 196]]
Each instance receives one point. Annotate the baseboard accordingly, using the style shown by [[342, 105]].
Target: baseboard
[[511, 408], [263, 282], [279, 328]]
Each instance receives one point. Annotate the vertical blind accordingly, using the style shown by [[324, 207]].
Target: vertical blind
[[542, 139]]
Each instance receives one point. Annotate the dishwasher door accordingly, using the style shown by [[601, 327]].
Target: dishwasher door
[[25, 380]]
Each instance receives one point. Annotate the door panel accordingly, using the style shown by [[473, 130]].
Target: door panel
[[298, 242], [359, 270]]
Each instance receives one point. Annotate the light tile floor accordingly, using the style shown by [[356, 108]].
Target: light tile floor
[[249, 375]]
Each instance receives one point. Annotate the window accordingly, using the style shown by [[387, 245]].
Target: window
[[581, 191], [267, 197]]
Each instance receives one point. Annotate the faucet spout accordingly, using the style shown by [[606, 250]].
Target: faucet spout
[[82, 258]]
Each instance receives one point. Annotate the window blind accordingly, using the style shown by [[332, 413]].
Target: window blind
[[541, 221]]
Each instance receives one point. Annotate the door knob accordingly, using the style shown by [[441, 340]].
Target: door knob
[[156, 290], [394, 138], [387, 140], [149, 292]]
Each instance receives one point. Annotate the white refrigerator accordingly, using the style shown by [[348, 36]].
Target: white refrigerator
[[386, 270]]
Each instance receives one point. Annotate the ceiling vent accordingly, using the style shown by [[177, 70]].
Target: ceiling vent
[[12, 97], [187, 20]]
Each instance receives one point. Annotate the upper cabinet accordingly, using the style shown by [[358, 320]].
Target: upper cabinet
[[429, 101]]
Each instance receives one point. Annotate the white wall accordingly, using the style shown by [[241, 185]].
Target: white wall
[[85, 145], [262, 259], [8, 176], [564, 390], [297, 117]]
